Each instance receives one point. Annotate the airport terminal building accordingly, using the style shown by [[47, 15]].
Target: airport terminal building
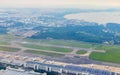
[[12, 71], [68, 69]]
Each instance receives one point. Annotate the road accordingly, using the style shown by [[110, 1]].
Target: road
[[69, 57], [16, 44]]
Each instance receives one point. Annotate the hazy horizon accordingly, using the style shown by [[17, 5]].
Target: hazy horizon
[[82, 4]]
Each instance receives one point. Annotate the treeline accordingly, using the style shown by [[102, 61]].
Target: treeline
[[93, 33], [3, 30]]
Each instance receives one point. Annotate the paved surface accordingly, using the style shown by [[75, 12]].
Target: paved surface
[[69, 57]]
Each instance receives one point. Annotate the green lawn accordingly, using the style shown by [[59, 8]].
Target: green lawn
[[112, 54], [5, 39], [81, 52], [44, 53], [62, 43], [4, 43], [9, 49], [8, 37], [70, 43], [57, 49]]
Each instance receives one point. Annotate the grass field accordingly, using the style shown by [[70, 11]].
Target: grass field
[[9, 49], [5, 39], [57, 49], [62, 42], [70, 43], [4, 43], [81, 52], [44, 53], [112, 54], [8, 37]]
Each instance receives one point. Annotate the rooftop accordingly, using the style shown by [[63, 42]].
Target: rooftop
[[19, 72]]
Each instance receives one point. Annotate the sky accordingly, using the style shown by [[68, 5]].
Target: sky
[[85, 4]]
